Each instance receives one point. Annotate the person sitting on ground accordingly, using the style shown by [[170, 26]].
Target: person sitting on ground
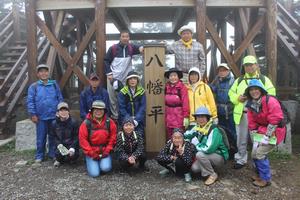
[[97, 137], [265, 122], [130, 147], [176, 101], [65, 132], [132, 102], [211, 149], [177, 156]]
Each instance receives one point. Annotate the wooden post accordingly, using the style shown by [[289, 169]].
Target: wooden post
[[100, 38], [31, 40], [223, 27], [200, 21], [271, 40], [15, 11], [154, 56]]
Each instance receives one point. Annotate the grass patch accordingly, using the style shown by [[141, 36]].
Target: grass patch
[[10, 148], [276, 155]]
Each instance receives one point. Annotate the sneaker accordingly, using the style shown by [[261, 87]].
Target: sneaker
[[62, 150], [255, 177], [261, 183], [164, 172], [238, 166], [187, 177], [56, 164], [211, 179], [38, 161]]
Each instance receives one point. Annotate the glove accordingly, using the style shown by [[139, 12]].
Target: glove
[[135, 123], [186, 122], [215, 121], [265, 140], [195, 141], [71, 151], [253, 132], [270, 129]]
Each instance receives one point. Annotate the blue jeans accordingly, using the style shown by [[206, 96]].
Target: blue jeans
[[42, 130], [95, 167]]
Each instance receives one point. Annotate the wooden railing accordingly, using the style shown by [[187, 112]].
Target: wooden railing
[[6, 27]]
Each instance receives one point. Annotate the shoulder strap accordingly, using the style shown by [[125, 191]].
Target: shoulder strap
[[114, 50], [130, 50], [107, 124], [262, 78], [240, 79], [89, 128]]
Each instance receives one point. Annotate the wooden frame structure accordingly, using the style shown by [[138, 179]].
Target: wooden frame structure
[[96, 29]]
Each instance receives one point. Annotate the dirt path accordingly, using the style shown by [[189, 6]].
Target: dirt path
[[72, 182]]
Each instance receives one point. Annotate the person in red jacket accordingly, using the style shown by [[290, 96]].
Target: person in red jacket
[[97, 137], [176, 101], [267, 129]]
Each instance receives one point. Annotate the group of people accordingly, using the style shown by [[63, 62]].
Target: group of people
[[200, 118]]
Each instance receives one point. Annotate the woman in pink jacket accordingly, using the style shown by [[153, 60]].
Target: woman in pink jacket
[[176, 101], [265, 122]]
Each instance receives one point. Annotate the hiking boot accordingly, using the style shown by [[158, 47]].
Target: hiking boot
[[255, 177], [238, 166], [62, 150], [56, 163], [164, 172], [187, 177], [211, 179], [261, 183]]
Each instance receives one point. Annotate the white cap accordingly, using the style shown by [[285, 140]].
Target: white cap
[[184, 28], [223, 65], [195, 69]]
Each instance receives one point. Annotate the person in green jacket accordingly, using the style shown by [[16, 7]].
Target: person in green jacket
[[239, 100], [211, 149]]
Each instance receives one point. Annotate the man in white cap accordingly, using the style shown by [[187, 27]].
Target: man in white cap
[[188, 53]]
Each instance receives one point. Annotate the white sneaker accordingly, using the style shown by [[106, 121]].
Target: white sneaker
[[56, 163], [62, 150], [187, 177], [164, 172]]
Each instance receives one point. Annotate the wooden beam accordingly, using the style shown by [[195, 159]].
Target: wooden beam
[[248, 39], [16, 18], [123, 17], [245, 29], [179, 19], [100, 38], [200, 21], [57, 32], [271, 40], [82, 4], [215, 36], [31, 40]]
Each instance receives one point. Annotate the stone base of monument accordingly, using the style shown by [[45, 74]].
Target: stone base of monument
[[25, 135]]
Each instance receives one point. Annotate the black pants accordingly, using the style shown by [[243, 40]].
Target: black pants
[[66, 159], [126, 165], [180, 167]]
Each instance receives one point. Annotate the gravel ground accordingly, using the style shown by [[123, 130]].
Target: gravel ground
[[25, 181]]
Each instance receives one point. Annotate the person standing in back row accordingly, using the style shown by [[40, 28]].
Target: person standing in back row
[[117, 65]]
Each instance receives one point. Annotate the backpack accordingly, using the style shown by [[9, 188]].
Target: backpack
[[286, 117], [260, 77], [115, 47], [123, 137], [228, 140], [89, 127]]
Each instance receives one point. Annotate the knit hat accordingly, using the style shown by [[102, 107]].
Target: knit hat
[[128, 120], [178, 130]]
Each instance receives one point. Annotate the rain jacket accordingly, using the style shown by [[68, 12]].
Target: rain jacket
[[239, 89], [201, 95], [270, 113], [177, 104], [43, 99], [100, 140]]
